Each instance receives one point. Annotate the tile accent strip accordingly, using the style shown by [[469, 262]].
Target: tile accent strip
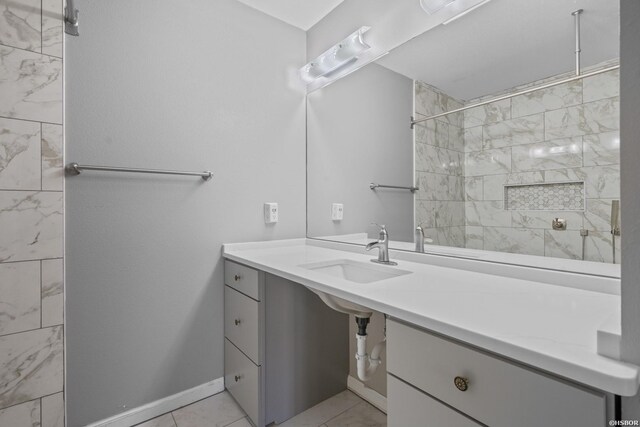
[[563, 196]]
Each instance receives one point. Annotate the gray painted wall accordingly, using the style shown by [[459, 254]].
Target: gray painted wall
[[630, 199], [180, 85], [369, 108]]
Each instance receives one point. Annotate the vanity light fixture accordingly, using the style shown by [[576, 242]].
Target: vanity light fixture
[[432, 6], [337, 57], [464, 12]]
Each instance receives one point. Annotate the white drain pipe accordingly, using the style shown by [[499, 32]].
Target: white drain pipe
[[365, 373]]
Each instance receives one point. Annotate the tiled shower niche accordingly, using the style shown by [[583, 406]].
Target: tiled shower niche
[[561, 196]]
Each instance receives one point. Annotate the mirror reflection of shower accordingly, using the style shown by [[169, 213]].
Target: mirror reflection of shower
[[615, 225]]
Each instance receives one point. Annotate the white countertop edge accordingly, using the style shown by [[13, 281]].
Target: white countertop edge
[[619, 377]]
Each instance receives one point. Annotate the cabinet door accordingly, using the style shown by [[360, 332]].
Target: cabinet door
[[241, 323], [242, 379], [408, 406]]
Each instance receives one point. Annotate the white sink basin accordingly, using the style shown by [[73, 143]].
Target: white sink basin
[[354, 271]]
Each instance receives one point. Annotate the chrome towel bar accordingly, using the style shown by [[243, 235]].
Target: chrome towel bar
[[373, 186], [76, 169]]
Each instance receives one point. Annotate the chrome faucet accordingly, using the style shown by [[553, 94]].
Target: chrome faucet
[[383, 245], [420, 239]]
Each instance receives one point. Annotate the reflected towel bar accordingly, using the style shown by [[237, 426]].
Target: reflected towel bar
[[373, 186], [75, 169]]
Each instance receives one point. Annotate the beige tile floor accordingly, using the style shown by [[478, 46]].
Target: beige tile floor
[[342, 410]]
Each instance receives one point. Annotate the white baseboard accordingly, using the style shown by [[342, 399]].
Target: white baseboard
[[368, 394], [155, 409]]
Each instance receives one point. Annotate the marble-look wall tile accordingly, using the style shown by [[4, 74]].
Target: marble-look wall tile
[[53, 410], [523, 130], [601, 86], [439, 160], [494, 184], [488, 162], [23, 415], [553, 98], [598, 214], [601, 182], [487, 213], [599, 248], [20, 24], [542, 219], [563, 244], [473, 139], [439, 187], [446, 236], [52, 30], [456, 138], [433, 132], [434, 214], [52, 296], [31, 87], [19, 155], [430, 101], [52, 167], [514, 240], [19, 296], [31, 365], [556, 154], [474, 188], [31, 225], [487, 114], [474, 237], [584, 119], [601, 149]]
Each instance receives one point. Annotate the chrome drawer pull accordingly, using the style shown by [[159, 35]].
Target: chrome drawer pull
[[461, 384], [237, 322], [237, 277]]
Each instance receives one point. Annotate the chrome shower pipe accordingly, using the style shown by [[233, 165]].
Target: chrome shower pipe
[[71, 19], [576, 17]]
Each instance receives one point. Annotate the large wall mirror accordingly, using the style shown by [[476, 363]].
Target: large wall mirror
[[491, 180]]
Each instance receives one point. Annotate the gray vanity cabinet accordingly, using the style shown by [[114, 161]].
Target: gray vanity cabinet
[[442, 382], [285, 351]]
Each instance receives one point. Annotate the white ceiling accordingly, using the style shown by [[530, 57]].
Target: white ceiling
[[300, 13], [506, 43]]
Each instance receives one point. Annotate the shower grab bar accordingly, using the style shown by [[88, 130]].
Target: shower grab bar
[[75, 169], [373, 186]]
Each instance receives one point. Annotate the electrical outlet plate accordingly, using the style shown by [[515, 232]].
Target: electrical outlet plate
[[270, 213], [337, 211]]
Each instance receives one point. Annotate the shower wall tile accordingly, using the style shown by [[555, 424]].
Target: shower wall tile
[[53, 410], [542, 219], [52, 167], [487, 213], [473, 139], [31, 224], [20, 24], [514, 240], [433, 132], [52, 27], [31, 365], [562, 244], [51, 293], [556, 154], [598, 215], [599, 247], [606, 85], [439, 160], [594, 117], [19, 155], [23, 415], [440, 187], [31, 88], [19, 297], [601, 149], [487, 114], [488, 162], [553, 98], [523, 130], [474, 188], [434, 214], [493, 185], [430, 101], [601, 182], [474, 237]]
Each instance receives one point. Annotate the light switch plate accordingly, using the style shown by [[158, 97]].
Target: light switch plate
[[270, 213], [337, 211]]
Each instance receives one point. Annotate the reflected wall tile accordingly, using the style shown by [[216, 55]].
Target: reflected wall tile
[[523, 130], [594, 117], [456, 138], [474, 237], [598, 214], [488, 162], [31, 365], [542, 219], [31, 224], [439, 160], [543, 100], [494, 184], [599, 248], [433, 132], [487, 213], [602, 182], [20, 24], [19, 155], [556, 154], [473, 139], [432, 186], [32, 86], [602, 149], [514, 240], [23, 415], [487, 114], [446, 236], [473, 188], [53, 410], [19, 297], [52, 22], [435, 214], [52, 168], [563, 244], [430, 101], [601, 86], [52, 297]]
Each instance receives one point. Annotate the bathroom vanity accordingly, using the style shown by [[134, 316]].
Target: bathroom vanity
[[479, 344]]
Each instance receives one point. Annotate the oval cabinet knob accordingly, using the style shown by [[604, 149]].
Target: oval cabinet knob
[[462, 384], [236, 277], [237, 378], [237, 322]]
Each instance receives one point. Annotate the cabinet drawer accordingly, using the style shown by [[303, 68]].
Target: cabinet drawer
[[499, 393], [407, 406], [241, 323], [243, 279], [242, 379]]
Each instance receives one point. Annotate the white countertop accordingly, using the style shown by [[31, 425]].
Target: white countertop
[[547, 326]]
